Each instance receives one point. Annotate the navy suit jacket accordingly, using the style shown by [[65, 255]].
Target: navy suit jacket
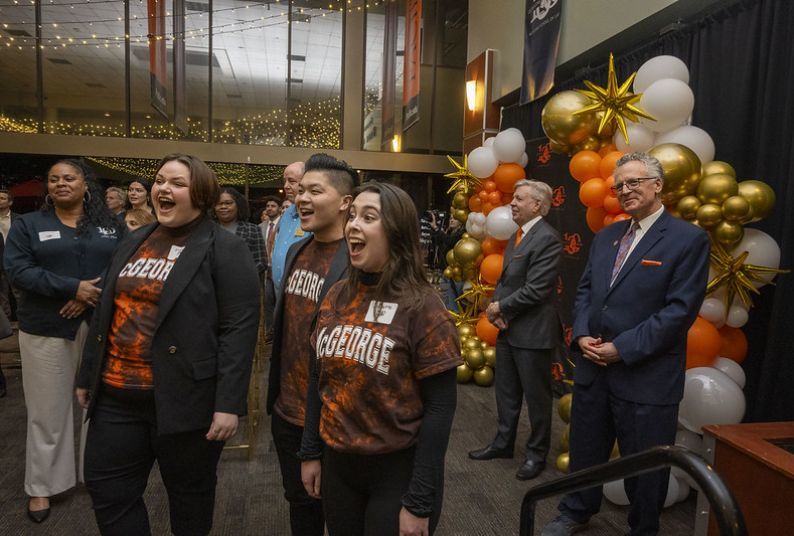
[[647, 312]]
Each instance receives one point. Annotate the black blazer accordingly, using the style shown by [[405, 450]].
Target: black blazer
[[206, 329], [525, 290], [337, 272]]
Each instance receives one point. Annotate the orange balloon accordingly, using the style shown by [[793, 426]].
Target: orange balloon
[[595, 218], [506, 175], [475, 203], [584, 165], [592, 193], [489, 186], [610, 182], [487, 207], [491, 268], [491, 245], [607, 165], [495, 198], [703, 344], [612, 205], [609, 219], [483, 195], [506, 198], [622, 216], [606, 149], [486, 331], [734, 343]]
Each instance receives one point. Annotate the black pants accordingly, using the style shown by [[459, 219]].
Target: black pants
[[305, 513], [597, 419], [270, 303], [362, 494], [122, 446]]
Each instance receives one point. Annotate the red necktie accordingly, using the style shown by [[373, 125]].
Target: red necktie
[[271, 238]]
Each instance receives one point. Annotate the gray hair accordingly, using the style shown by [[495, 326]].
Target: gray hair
[[652, 165], [122, 193], [540, 192]]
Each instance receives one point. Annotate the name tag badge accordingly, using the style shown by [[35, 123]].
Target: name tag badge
[[175, 252], [49, 235], [299, 232], [385, 312]]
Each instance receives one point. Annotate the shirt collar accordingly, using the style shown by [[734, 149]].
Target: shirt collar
[[531, 223], [648, 221]]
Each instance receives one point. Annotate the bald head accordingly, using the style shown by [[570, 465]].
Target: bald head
[[293, 174]]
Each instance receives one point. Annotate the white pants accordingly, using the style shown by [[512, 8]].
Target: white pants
[[49, 367]]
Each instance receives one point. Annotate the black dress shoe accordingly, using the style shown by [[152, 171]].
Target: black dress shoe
[[530, 470], [490, 453], [38, 516]]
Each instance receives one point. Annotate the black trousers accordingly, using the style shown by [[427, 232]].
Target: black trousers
[[270, 303], [597, 419], [305, 513], [122, 446], [362, 494], [523, 374]]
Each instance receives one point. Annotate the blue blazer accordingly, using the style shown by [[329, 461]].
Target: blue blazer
[[647, 312]]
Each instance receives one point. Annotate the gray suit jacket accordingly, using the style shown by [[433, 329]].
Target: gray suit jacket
[[526, 289]]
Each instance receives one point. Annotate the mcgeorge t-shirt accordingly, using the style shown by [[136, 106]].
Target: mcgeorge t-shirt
[[371, 356], [301, 296]]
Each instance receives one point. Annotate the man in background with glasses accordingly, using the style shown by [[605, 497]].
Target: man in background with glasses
[[641, 290]]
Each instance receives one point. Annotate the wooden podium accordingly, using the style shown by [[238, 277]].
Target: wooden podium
[[756, 461]]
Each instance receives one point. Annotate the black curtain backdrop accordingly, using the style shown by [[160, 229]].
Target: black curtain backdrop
[[741, 68]]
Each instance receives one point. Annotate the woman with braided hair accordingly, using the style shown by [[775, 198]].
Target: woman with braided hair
[[54, 258]]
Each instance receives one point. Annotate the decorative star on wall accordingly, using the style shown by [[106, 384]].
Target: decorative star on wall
[[463, 179], [736, 276], [616, 102]]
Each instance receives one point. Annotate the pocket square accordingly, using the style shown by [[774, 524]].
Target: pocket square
[[649, 262]]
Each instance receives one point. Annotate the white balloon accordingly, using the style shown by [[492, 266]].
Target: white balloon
[[763, 251], [476, 217], [658, 68], [713, 310], [670, 101], [523, 161], [710, 397], [509, 145], [641, 138], [476, 230], [689, 439], [499, 223], [683, 489], [732, 369], [489, 141], [737, 315], [482, 162], [695, 138], [616, 493], [672, 491]]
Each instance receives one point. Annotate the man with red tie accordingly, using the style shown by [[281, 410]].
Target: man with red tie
[[271, 215], [641, 290], [523, 308]]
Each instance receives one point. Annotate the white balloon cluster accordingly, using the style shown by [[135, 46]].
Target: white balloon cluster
[[666, 95], [507, 147]]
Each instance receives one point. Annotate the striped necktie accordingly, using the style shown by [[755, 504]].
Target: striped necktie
[[623, 250]]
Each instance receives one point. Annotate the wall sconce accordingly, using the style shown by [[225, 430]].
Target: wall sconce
[[395, 143], [471, 95]]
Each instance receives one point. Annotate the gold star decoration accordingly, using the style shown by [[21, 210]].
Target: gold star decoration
[[736, 276], [463, 179], [616, 103], [474, 295], [466, 316]]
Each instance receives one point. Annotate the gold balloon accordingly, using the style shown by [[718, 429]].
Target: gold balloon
[[460, 200], [591, 143], [559, 148], [760, 196], [448, 272], [559, 122], [465, 330], [451, 258], [475, 359], [464, 373], [565, 439], [564, 407], [467, 250], [483, 377], [717, 188], [490, 356], [563, 460], [709, 215], [736, 208], [728, 233], [460, 215], [456, 273], [716, 166], [681, 171], [472, 343], [688, 207]]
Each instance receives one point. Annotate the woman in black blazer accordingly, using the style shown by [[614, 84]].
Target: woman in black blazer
[[165, 372]]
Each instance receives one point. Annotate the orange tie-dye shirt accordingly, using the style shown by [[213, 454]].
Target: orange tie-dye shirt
[[371, 356], [137, 302]]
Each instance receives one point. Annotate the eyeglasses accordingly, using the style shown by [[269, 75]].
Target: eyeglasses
[[631, 184]]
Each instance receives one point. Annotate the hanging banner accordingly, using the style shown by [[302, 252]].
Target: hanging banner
[[389, 66], [157, 57], [412, 62], [180, 96], [541, 42]]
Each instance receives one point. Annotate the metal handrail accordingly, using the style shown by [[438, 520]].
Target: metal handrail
[[723, 504]]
